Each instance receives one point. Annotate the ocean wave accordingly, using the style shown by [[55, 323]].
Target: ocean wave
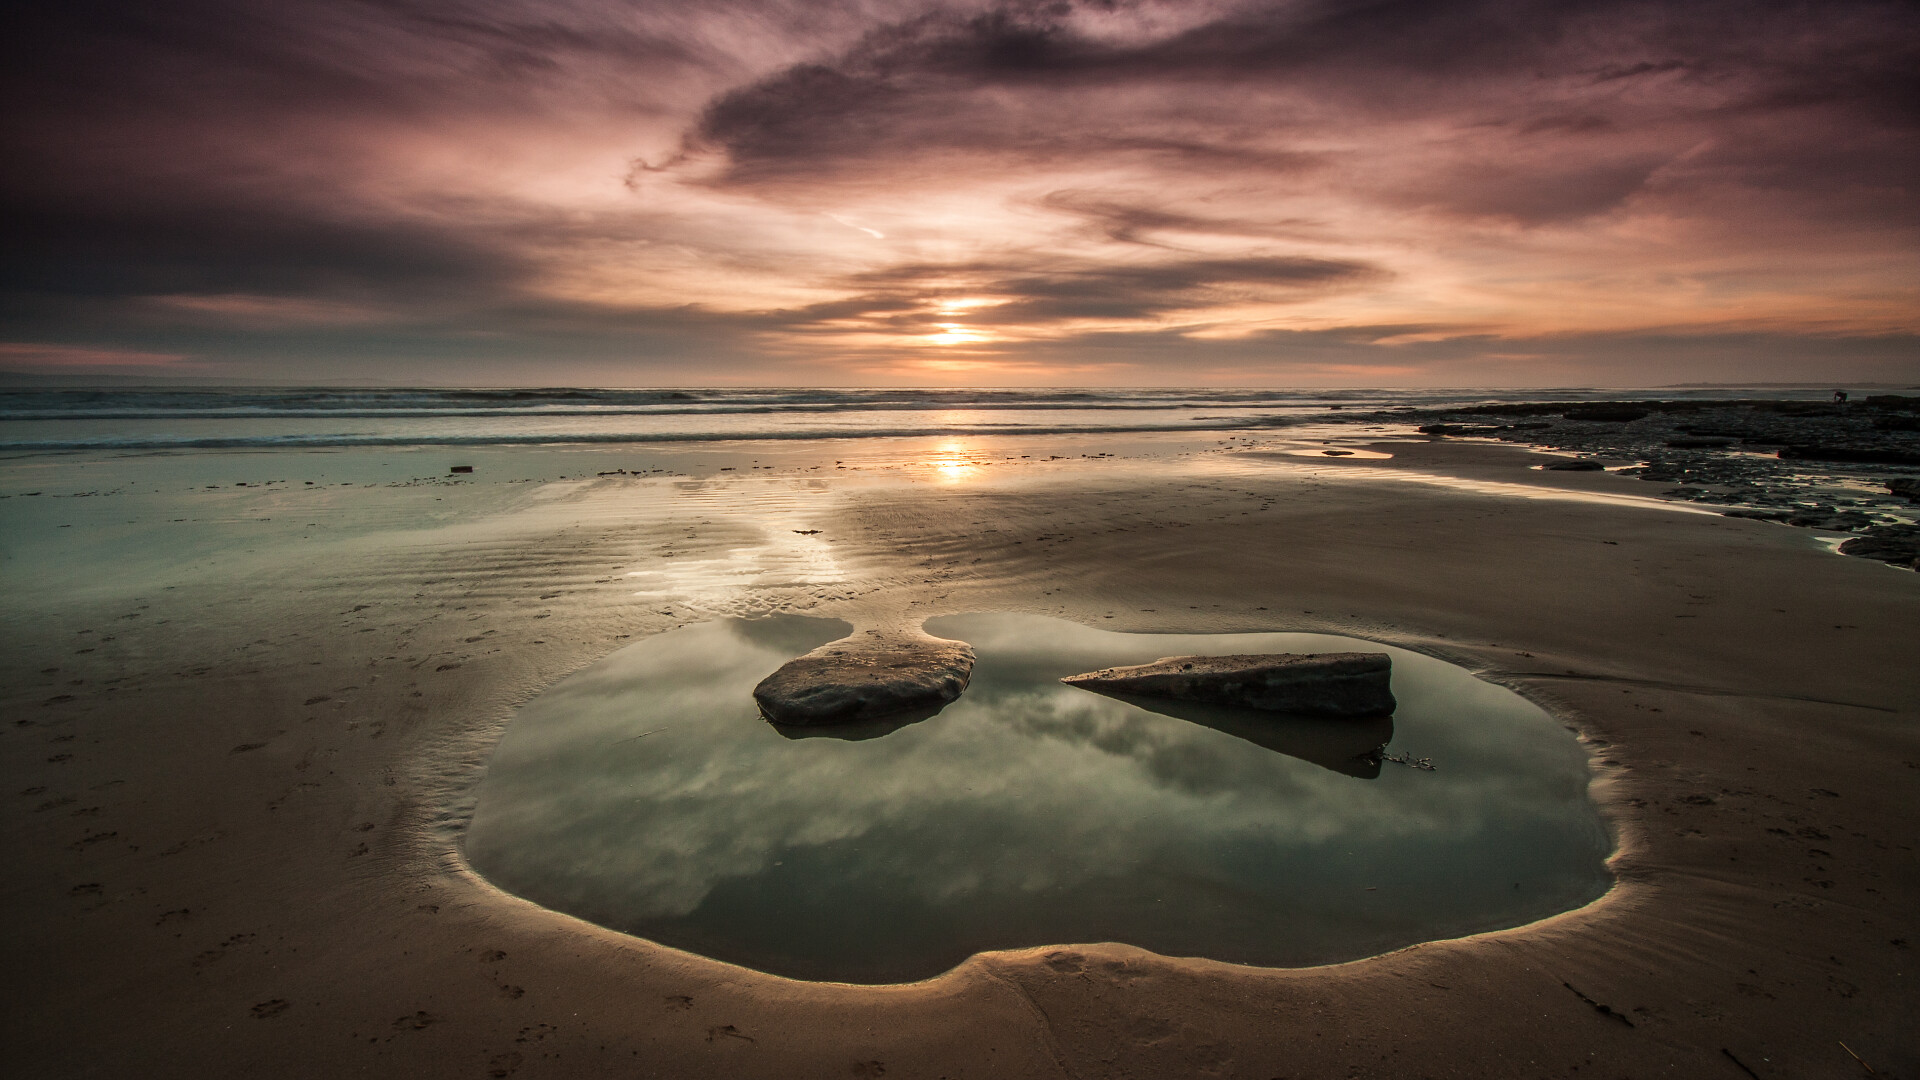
[[323, 440], [607, 411], [278, 401], [129, 404], [119, 403]]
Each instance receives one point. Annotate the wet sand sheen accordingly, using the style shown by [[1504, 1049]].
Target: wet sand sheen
[[246, 763]]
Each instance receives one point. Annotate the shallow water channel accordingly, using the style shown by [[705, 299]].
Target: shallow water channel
[[646, 794]]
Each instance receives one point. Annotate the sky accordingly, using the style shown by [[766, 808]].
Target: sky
[[887, 192]]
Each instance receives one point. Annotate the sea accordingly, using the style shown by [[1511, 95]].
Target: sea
[[39, 420]]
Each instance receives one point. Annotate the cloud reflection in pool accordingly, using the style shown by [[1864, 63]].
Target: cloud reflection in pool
[[646, 794]]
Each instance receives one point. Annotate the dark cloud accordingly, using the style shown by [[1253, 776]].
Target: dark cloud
[[1568, 123], [274, 250], [906, 298], [1541, 194], [246, 57], [220, 146], [1137, 219], [1138, 292], [1264, 88], [815, 123]]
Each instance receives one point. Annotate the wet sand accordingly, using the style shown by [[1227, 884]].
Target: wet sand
[[239, 753]]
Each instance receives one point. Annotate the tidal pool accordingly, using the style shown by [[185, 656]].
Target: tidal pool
[[647, 795]]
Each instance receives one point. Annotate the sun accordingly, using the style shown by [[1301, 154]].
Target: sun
[[954, 334]]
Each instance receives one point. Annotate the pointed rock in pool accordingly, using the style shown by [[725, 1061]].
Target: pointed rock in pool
[[852, 680], [1320, 684]]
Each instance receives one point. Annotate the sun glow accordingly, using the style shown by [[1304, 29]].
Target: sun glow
[[954, 334], [957, 304]]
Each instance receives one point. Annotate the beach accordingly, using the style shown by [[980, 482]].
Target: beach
[[245, 726]]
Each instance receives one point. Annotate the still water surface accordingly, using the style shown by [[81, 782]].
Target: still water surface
[[646, 794]]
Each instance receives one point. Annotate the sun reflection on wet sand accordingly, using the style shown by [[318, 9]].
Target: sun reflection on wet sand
[[954, 463]]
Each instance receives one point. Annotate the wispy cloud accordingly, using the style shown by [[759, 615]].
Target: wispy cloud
[[38, 358]]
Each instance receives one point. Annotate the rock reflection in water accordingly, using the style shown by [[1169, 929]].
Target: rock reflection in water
[[1028, 812], [858, 730], [1345, 746]]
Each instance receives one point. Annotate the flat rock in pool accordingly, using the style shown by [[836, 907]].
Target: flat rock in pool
[[850, 680], [1321, 684]]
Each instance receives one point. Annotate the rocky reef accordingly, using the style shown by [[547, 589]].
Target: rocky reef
[[1841, 466]]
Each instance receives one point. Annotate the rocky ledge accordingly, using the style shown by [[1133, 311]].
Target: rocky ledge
[[1323, 684], [1898, 545], [879, 678], [1813, 464]]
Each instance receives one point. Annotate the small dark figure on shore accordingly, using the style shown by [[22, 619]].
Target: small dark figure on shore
[[1839, 397]]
